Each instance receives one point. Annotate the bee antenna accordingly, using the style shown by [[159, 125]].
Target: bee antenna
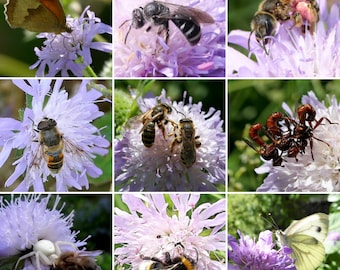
[[251, 32], [263, 46], [128, 32], [184, 117], [31, 119], [196, 254], [124, 22]]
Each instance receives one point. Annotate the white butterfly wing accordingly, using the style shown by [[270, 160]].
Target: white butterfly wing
[[305, 237]]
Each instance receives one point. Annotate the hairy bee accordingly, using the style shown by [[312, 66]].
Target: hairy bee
[[181, 262], [186, 19], [262, 25], [52, 144], [156, 115], [71, 260], [270, 12], [188, 140]]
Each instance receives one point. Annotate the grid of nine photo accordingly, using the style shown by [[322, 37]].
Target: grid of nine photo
[[164, 206]]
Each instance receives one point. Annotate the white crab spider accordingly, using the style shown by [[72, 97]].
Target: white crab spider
[[46, 252]]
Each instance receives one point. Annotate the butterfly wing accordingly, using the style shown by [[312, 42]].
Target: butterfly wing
[[305, 237], [315, 225], [308, 252]]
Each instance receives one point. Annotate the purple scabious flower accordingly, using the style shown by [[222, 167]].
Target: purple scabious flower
[[25, 220], [246, 254], [148, 230], [306, 174], [160, 167], [333, 237], [80, 142], [146, 53], [291, 53], [69, 54]]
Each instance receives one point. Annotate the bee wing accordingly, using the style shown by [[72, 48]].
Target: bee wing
[[143, 119], [135, 121], [187, 13], [172, 267], [92, 253]]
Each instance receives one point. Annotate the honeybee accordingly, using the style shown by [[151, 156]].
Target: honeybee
[[52, 144], [157, 13], [156, 115], [189, 141], [71, 260]]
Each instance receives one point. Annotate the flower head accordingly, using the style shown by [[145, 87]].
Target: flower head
[[70, 53], [333, 237], [144, 52], [163, 165], [317, 169], [149, 231], [74, 141], [247, 254], [290, 53], [26, 220]]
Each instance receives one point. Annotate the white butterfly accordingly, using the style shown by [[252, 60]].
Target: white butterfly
[[305, 237]]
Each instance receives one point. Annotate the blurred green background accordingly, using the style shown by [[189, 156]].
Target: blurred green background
[[92, 216], [252, 101], [12, 100], [17, 45]]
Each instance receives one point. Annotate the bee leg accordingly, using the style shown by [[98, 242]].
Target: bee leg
[[177, 140], [162, 28], [197, 144], [162, 128]]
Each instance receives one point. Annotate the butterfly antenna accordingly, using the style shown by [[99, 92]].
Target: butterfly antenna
[[270, 220]]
